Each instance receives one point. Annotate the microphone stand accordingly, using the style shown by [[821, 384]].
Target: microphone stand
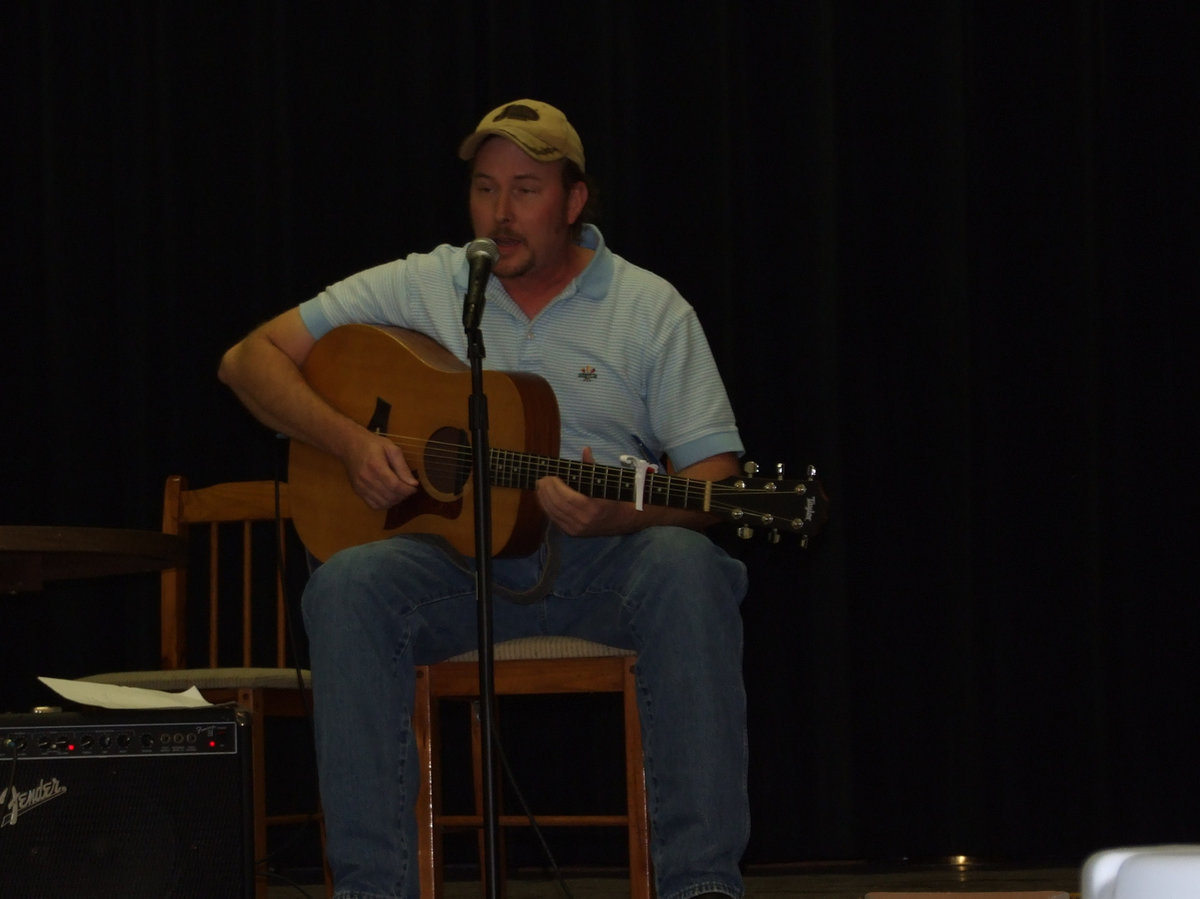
[[478, 414]]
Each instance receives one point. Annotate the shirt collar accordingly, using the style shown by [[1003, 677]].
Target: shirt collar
[[594, 280]]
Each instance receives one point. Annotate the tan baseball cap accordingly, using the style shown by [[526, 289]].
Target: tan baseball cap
[[537, 128]]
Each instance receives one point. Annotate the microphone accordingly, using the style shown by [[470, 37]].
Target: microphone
[[481, 256]]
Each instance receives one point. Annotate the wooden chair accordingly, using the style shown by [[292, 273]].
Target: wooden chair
[[536, 665], [244, 512]]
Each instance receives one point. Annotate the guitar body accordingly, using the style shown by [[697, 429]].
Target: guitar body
[[401, 382]]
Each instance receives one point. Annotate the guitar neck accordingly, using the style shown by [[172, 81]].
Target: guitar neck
[[523, 470]]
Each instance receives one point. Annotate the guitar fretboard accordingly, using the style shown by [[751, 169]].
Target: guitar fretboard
[[523, 470]]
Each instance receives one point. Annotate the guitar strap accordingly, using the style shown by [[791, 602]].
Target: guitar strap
[[548, 559], [548, 555]]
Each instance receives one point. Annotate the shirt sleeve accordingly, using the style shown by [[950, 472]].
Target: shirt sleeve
[[690, 409], [414, 292]]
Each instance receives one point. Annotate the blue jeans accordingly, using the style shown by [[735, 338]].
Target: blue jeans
[[375, 611]]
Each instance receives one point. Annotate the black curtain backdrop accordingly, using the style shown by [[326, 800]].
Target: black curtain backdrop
[[942, 250]]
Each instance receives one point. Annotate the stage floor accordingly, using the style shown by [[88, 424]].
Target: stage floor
[[829, 880]]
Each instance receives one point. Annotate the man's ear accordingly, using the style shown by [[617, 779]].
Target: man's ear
[[576, 199]]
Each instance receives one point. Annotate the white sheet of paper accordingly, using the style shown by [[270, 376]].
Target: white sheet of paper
[[115, 696]]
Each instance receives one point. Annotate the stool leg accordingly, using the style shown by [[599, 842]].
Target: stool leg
[[252, 700], [427, 735], [641, 881]]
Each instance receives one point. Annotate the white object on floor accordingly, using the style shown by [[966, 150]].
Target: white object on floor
[[1143, 872]]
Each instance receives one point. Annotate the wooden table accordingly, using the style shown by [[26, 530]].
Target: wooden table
[[31, 555]]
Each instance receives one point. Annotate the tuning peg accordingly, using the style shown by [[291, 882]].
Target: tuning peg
[[774, 536], [751, 469], [779, 471], [745, 532]]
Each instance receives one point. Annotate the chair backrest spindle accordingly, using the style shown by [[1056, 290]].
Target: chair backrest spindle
[[253, 511], [281, 643], [173, 596], [214, 594], [247, 593]]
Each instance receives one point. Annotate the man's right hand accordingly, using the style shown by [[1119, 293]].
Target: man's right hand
[[378, 471], [264, 370]]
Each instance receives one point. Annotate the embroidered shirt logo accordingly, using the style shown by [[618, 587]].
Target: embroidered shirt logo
[[587, 373]]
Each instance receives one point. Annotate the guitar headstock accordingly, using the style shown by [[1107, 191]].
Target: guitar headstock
[[798, 507]]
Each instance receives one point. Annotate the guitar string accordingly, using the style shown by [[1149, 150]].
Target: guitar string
[[449, 455]]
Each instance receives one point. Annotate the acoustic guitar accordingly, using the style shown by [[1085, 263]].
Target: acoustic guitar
[[377, 375]]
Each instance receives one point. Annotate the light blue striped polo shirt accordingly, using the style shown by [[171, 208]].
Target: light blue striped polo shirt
[[622, 349]]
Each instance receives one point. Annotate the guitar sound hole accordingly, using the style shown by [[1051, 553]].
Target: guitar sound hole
[[448, 460]]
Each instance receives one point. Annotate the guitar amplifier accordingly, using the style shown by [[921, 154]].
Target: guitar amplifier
[[137, 804]]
